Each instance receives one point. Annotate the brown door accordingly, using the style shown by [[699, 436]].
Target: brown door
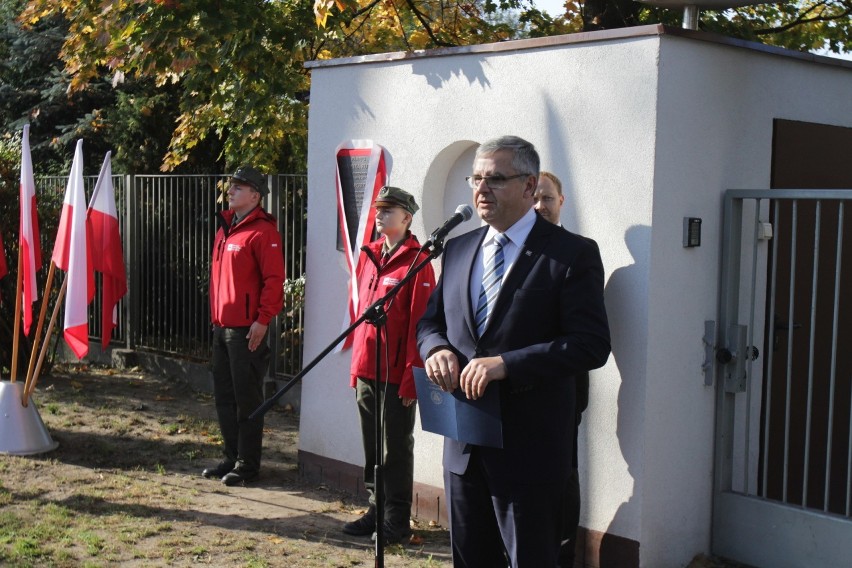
[[809, 419]]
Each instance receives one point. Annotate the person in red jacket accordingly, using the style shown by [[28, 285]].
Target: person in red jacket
[[246, 292], [382, 264]]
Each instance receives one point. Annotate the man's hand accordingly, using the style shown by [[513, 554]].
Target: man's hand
[[256, 333], [407, 402], [479, 372], [442, 368]]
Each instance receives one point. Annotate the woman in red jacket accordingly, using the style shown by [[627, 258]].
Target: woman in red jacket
[[382, 264]]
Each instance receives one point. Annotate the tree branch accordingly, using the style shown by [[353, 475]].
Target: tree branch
[[422, 18], [401, 29], [366, 8], [801, 20]]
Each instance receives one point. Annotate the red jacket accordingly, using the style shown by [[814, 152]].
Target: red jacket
[[247, 276], [400, 339]]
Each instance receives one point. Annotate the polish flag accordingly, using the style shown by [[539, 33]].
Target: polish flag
[[28, 239], [107, 255], [71, 254]]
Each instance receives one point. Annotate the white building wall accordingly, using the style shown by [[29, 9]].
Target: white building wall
[[642, 131], [589, 110], [714, 132]]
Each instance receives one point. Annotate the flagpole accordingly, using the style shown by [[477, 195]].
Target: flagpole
[[99, 182], [103, 219], [18, 301], [28, 242], [29, 391], [42, 313]]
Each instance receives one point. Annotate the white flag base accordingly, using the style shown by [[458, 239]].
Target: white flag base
[[21, 430]]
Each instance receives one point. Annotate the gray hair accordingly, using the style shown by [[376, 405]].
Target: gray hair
[[524, 156]]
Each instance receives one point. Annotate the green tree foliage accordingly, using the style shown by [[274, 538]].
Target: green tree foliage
[[803, 25], [203, 85], [222, 81], [133, 120], [236, 66], [368, 26], [32, 85], [138, 126]]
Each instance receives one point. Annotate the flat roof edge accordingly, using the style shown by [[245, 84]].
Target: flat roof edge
[[513, 45], [755, 46], [577, 38]]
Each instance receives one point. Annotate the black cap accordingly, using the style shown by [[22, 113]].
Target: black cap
[[251, 176], [396, 197]]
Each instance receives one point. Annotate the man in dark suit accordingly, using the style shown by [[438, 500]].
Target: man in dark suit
[[519, 304], [548, 203]]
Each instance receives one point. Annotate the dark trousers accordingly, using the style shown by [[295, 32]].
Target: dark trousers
[[238, 389], [572, 521], [398, 465], [489, 523]]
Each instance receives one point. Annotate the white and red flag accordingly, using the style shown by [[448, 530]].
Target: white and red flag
[[357, 225], [28, 239], [107, 254], [71, 254]]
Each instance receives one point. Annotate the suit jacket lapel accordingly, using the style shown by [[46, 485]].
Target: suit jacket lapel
[[467, 255]]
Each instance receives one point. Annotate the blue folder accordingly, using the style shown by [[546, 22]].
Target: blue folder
[[475, 422]]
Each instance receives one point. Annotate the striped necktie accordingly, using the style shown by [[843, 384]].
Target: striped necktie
[[492, 278]]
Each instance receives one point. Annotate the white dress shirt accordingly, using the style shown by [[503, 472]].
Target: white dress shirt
[[517, 235]]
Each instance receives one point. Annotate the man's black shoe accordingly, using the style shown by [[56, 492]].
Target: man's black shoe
[[394, 534], [219, 471], [239, 475], [364, 526]]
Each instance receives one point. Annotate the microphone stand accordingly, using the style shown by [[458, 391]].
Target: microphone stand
[[375, 315]]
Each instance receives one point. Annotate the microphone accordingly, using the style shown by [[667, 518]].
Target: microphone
[[462, 214]]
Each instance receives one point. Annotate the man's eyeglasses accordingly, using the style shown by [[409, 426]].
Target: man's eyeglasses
[[493, 182]]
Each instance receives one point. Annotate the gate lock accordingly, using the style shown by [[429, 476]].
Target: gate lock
[[736, 375], [725, 356]]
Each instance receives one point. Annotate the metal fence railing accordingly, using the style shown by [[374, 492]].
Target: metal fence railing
[[291, 193], [168, 224]]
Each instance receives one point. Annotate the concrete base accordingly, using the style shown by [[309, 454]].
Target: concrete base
[[22, 431]]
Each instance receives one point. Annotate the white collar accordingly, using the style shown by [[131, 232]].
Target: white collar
[[518, 232]]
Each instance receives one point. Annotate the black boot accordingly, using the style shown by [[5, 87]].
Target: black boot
[[394, 533], [364, 526], [240, 474], [219, 471]]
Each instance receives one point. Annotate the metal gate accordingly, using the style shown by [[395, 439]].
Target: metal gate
[[783, 466]]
